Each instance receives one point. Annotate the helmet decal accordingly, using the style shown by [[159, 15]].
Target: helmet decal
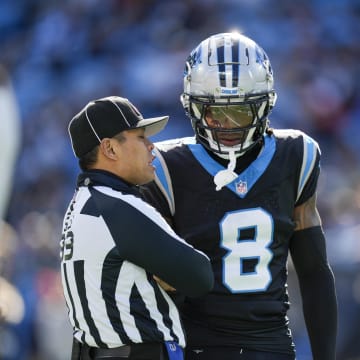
[[193, 59], [261, 58]]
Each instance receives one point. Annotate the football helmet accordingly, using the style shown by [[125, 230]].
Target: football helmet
[[228, 93]]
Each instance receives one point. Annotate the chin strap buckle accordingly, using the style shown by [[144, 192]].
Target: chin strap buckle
[[225, 177]]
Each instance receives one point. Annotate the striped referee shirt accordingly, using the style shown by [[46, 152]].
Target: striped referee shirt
[[112, 245]]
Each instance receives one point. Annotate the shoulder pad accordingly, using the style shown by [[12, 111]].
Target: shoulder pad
[[173, 143]]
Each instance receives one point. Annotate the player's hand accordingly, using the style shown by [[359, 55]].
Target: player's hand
[[163, 284]]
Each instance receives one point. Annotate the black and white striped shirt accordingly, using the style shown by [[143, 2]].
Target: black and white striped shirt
[[112, 245]]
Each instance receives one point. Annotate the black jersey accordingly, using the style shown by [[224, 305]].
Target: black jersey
[[244, 228]]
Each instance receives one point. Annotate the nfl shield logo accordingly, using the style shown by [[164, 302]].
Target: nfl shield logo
[[241, 187]]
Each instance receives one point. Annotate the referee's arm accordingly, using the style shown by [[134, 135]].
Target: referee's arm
[[145, 239]]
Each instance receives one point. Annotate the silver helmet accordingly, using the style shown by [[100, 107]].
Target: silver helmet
[[228, 93]]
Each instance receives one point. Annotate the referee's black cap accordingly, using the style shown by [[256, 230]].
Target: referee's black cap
[[105, 118]]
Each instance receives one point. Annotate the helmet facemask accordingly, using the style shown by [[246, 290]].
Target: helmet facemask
[[233, 126]]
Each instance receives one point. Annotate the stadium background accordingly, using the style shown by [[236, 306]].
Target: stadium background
[[61, 54]]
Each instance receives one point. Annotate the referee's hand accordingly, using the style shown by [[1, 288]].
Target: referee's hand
[[164, 285]]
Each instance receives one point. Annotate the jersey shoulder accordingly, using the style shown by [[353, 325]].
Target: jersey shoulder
[[299, 151], [293, 136], [297, 143], [175, 153], [173, 144], [287, 133]]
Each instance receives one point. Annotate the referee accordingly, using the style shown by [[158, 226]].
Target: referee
[[114, 245]]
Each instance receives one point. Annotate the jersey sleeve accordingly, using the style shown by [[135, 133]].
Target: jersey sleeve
[[144, 238], [310, 170]]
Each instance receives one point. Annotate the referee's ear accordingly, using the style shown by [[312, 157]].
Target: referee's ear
[[107, 149]]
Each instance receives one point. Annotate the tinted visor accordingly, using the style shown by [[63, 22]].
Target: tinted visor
[[229, 116]]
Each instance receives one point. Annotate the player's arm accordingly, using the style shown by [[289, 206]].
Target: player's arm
[[316, 280]]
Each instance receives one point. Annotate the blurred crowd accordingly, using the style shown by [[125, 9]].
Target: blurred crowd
[[61, 54]]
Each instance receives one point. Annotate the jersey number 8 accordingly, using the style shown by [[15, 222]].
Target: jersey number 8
[[238, 276]]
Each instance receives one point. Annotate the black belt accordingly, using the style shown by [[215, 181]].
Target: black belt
[[150, 350], [122, 351]]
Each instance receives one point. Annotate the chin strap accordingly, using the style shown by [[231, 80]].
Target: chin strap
[[224, 177]]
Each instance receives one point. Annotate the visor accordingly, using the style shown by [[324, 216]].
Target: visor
[[229, 116]]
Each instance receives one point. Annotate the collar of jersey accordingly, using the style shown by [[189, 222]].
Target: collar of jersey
[[105, 178], [249, 176]]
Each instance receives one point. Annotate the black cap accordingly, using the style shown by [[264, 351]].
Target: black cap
[[105, 118]]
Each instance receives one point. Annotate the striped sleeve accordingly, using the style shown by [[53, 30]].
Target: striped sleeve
[[132, 218]]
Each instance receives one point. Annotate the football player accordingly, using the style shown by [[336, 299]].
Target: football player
[[245, 194]]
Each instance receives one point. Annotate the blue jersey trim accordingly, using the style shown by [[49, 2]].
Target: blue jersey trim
[[247, 179], [160, 173], [163, 181], [309, 157]]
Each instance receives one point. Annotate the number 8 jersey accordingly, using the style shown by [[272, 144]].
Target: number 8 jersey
[[244, 228]]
